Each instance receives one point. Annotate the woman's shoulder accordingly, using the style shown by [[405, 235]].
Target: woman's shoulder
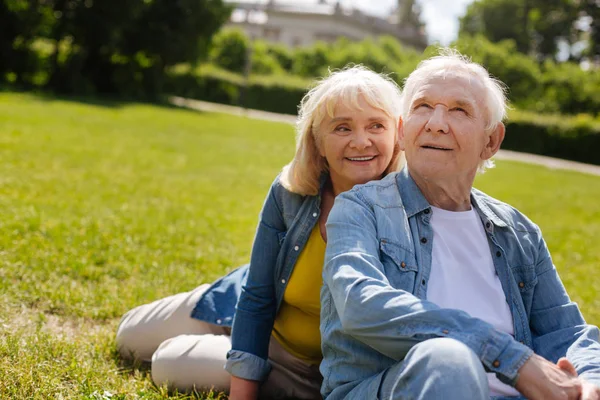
[[289, 203]]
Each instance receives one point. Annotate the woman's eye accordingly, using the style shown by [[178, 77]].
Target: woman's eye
[[342, 129], [460, 109], [377, 126]]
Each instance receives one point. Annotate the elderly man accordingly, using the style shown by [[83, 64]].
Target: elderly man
[[434, 290]]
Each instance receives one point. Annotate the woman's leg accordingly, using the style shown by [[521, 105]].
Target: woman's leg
[[144, 328], [198, 361], [186, 362]]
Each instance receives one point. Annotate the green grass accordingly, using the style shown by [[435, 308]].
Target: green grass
[[107, 206]]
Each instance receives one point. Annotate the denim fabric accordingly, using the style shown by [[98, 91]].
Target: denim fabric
[[285, 224], [374, 306]]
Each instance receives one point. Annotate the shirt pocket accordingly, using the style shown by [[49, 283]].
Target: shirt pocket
[[399, 265], [526, 279]]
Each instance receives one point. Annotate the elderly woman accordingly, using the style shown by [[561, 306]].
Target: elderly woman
[[346, 135], [434, 290]]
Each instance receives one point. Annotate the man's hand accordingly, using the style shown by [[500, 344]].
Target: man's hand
[[589, 391], [539, 379]]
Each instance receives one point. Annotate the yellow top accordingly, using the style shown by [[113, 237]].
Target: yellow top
[[296, 326]]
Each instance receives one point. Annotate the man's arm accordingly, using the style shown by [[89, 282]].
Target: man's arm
[[391, 320], [557, 326]]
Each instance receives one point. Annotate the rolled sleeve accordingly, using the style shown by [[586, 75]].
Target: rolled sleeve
[[247, 366]]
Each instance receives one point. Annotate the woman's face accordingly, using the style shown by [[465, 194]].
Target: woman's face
[[358, 144]]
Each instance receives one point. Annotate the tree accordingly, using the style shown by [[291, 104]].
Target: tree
[[591, 9], [410, 14], [536, 26], [109, 46]]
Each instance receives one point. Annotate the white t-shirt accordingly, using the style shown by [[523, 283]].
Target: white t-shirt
[[463, 276]]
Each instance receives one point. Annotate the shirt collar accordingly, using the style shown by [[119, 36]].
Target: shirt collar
[[414, 202]]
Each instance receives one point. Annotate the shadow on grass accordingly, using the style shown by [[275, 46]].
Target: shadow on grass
[[105, 101]]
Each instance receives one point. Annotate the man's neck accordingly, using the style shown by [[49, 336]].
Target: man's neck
[[448, 194]]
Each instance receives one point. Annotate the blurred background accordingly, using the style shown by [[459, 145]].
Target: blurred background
[[264, 54]]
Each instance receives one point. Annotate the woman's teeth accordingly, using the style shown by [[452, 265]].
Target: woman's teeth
[[360, 158]]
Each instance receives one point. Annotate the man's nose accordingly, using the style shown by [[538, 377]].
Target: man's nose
[[438, 120]]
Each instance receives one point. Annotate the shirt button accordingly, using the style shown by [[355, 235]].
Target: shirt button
[[423, 282], [521, 285], [427, 211], [315, 215], [488, 225], [423, 240], [445, 331], [296, 248], [498, 254], [219, 321], [496, 364], [403, 264], [283, 281]]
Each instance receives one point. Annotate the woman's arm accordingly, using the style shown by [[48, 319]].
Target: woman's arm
[[243, 389], [255, 311]]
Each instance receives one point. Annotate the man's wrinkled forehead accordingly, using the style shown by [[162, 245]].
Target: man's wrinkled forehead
[[456, 86]]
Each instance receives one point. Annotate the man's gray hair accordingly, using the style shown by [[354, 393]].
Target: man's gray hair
[[451, 61]]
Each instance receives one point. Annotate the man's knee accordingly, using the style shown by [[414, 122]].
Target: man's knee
[[437, 367]]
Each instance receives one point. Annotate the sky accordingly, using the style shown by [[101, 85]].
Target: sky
[[440, 16]]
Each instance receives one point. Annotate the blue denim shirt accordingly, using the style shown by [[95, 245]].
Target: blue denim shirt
[[374, 305], [285, 224]]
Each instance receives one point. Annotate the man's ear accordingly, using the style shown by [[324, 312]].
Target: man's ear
[[494, 141], [400, 134]]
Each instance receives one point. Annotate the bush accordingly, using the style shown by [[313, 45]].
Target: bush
[[208, 83], [571, 138], [263, 62], [229, 50]]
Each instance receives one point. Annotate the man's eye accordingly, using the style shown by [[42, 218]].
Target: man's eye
[[377, 126], [460, 109], [422, 105]]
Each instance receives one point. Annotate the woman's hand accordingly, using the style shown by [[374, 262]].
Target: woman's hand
[[243, 389], [589, 391]]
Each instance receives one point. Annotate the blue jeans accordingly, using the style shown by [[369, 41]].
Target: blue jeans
[[439, 368]]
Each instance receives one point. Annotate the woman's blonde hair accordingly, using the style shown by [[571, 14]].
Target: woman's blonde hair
[[348, 86]]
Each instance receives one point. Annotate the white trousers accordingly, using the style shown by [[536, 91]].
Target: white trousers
[[187, 353]]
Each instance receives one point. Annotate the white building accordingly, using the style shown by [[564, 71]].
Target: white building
[[298, 24]]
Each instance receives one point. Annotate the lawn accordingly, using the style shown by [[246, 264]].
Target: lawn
[[107, 206]]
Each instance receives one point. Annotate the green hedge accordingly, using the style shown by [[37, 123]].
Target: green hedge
[[279, 95], [572, 138]]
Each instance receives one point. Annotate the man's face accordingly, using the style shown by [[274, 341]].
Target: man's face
[[443, 135]]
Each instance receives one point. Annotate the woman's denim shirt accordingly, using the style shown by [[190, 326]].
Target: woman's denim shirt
[[374, 305], [285, 224]]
